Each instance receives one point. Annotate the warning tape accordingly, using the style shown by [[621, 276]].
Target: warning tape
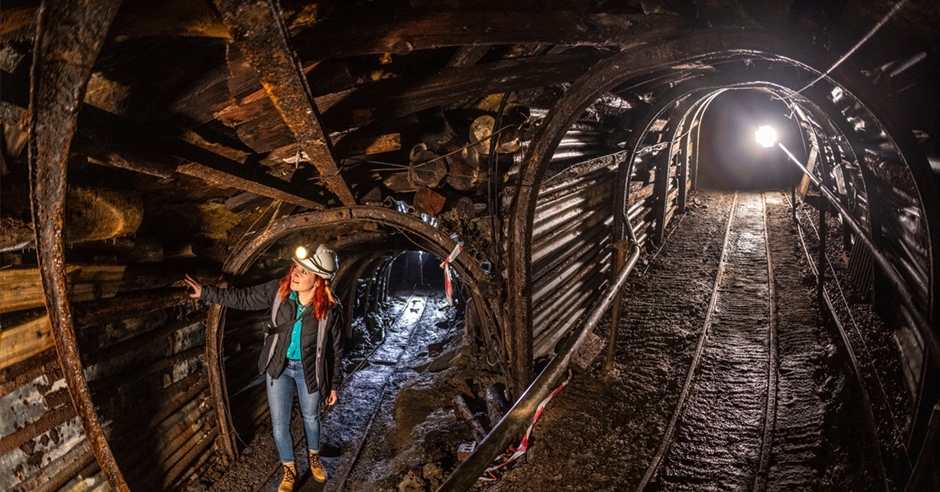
[[448, 286], [513, 453]]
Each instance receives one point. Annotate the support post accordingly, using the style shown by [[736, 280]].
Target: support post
[[69, 36], [621, 257], [821, 267]]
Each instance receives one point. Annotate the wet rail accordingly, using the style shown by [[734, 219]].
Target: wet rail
[[871, 428], [725, 412], [389, 355]]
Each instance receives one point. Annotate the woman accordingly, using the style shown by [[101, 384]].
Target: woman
[[301, 351]]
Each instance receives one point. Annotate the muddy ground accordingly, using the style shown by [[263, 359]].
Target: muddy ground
[[600, 432]]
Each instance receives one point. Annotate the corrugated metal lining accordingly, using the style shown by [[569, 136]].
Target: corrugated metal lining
[[572, 234], [890, 192]]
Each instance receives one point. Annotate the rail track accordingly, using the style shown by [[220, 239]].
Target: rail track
[[725, 410], [762, 391]]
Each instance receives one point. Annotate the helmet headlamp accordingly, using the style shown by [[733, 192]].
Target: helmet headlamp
[[322, 263]]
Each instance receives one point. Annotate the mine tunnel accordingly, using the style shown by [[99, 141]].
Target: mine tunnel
[[588, 245]]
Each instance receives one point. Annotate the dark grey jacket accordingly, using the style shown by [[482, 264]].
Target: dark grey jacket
[[320, 363]]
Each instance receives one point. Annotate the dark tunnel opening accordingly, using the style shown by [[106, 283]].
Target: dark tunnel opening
[[383, 298], [730, 157]]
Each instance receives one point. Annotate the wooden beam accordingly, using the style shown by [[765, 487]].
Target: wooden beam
[[255, 121], [348, 145], [400, 31], [395, 98], [69, 36], [260, 34], [123, 145], [25, 340], [110, 140], [20, 288]]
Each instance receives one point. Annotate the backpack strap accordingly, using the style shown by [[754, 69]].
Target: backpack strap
[[274, 328], [277, 304]]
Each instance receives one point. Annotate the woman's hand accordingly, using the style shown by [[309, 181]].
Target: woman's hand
[[196, 286], [332, 398]]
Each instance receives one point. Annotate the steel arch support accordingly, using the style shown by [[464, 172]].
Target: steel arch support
[[69, 37], [432, 238], [608, 73]]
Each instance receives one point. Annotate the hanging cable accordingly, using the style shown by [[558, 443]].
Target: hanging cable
[[858, 45], [492, 188]]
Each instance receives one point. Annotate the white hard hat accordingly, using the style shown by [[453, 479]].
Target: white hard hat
[[323, 262]]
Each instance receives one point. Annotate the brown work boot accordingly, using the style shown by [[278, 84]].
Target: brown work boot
[[290, 475], [316, 468]]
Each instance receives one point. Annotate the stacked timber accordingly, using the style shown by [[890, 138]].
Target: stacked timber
[[141, 343]]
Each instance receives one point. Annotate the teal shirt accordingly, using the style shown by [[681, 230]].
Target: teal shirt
[[293, 350]]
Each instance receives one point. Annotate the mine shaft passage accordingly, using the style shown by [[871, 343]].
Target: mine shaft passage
[[726, 377], [359, 431]]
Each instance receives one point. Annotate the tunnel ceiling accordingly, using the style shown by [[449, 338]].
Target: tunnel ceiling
[[176, 121]]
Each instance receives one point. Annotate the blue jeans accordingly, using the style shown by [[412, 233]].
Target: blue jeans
[[281, 400]]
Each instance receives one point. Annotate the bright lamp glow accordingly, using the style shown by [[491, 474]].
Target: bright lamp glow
[[766, 136], [301, 253]]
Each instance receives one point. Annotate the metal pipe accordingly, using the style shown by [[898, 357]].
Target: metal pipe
[[549, 261], [561, 237], [575, 185], [569, 189], [615, 312], [894, 278], [467, 473], [823, 232], [561, 221], [562, 213], [578, 154]]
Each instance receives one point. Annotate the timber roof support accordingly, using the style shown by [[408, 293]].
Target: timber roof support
[[258, 31]]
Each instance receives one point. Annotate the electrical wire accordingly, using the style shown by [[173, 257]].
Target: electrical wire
[[884, 20]]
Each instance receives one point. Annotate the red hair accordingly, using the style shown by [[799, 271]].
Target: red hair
[[323, 298]]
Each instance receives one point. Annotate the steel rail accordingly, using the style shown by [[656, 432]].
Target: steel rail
[[894, 278], [770, 412], [853, 360], [696, 360], [508, 428], [378, 401]]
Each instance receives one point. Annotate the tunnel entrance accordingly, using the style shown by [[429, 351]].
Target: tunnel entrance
[[403, 330], [730, 157], [404, 280]]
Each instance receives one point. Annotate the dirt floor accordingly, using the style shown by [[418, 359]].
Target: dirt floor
[[603, 430]]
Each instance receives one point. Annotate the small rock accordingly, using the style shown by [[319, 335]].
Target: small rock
[[412, 483], [433, 471]]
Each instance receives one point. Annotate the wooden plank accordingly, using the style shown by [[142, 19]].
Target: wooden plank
[[352, 146], [262, 37], [261, 128], [401, 31], [21, 288], [803, 187], [24, 341]]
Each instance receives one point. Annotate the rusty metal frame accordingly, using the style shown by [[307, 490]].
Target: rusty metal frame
[[607, 74], [431, 238], [69, 36], [259, 32]]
